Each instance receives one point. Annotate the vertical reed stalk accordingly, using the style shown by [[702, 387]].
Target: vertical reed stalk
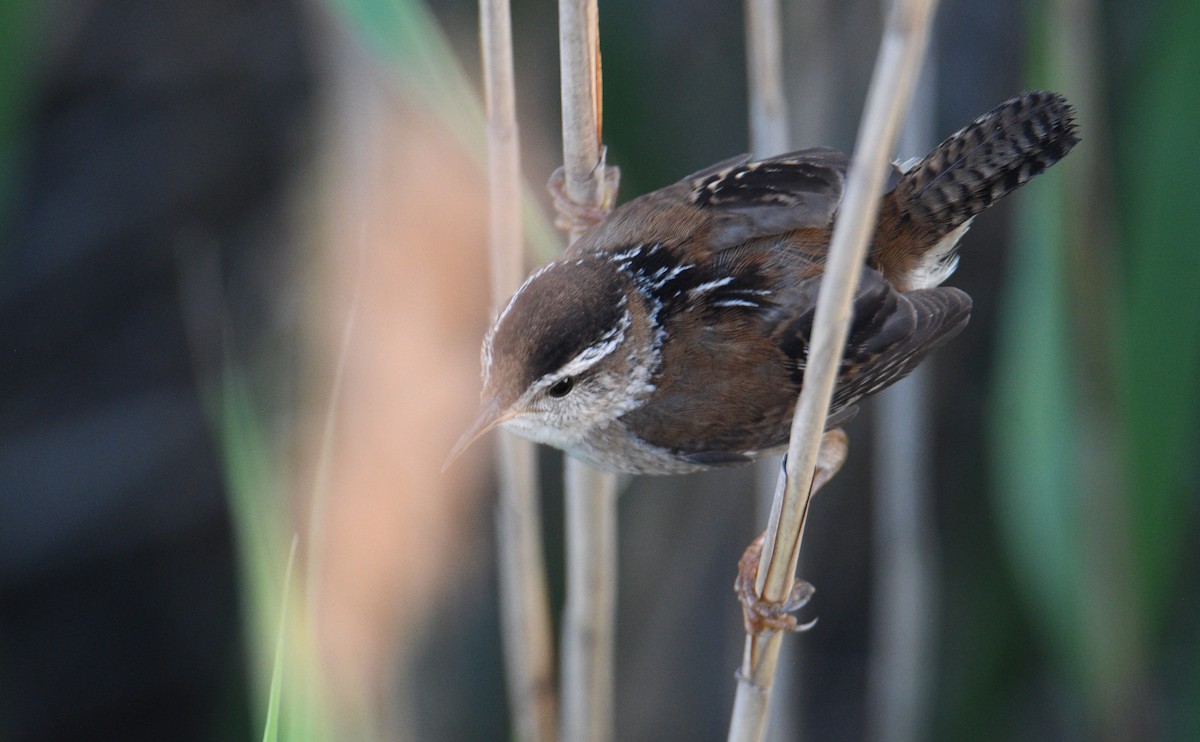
[[589, 618], [904, 583], [588, 652], [769, 135], [764, 66], [899, 60], [525, 613]]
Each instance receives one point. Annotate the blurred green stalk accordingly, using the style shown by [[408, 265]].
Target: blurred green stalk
[[1158, 192], [1098, 388], [20, 24], [288, 705]]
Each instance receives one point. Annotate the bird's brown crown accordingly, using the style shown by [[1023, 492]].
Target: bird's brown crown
[[560, 312]]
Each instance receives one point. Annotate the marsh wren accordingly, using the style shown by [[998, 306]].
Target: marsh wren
[[672, 336]]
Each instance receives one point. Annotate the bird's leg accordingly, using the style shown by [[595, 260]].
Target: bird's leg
[[577, 217], [761, 615]]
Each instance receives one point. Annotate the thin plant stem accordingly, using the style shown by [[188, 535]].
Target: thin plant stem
[[764, 67], [904, 583], [588, 647], [769, 135], [901, 52], [579, 57], [524, 603], [589, 618]]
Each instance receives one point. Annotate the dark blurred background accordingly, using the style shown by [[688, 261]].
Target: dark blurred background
[[241, 294]]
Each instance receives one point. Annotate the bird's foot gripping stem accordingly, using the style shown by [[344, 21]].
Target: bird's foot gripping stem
[[574, 216], [758, 614]]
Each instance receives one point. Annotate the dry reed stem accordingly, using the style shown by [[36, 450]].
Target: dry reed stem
[[589, 617], [900, 55], [588, 647], [764, 68], [524, 604], [904, 580], [770, 134]]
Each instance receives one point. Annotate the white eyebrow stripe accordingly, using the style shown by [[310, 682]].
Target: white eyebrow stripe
[[735, 303], [593, 354]]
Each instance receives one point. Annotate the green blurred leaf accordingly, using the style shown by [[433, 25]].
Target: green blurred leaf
[[20, 20], [271, 726], [1032, 424], [1158, 180], [259, 517], [1094, 501], [262, 527]]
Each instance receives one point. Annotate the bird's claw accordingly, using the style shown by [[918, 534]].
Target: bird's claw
[[574, 216], [759, 615]]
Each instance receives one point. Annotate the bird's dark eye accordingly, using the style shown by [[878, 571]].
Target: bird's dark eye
[[562, 387]]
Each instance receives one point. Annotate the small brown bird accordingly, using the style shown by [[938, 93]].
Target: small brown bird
[[672, 336]]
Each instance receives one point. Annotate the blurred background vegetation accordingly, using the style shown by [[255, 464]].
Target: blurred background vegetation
[[241, 295]]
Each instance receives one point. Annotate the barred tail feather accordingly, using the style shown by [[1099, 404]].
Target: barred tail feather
[[986, 160]]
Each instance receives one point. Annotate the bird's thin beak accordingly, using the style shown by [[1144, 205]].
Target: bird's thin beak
[[489, 416]]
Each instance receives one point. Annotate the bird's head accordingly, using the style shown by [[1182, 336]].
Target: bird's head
[[564, 357]]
